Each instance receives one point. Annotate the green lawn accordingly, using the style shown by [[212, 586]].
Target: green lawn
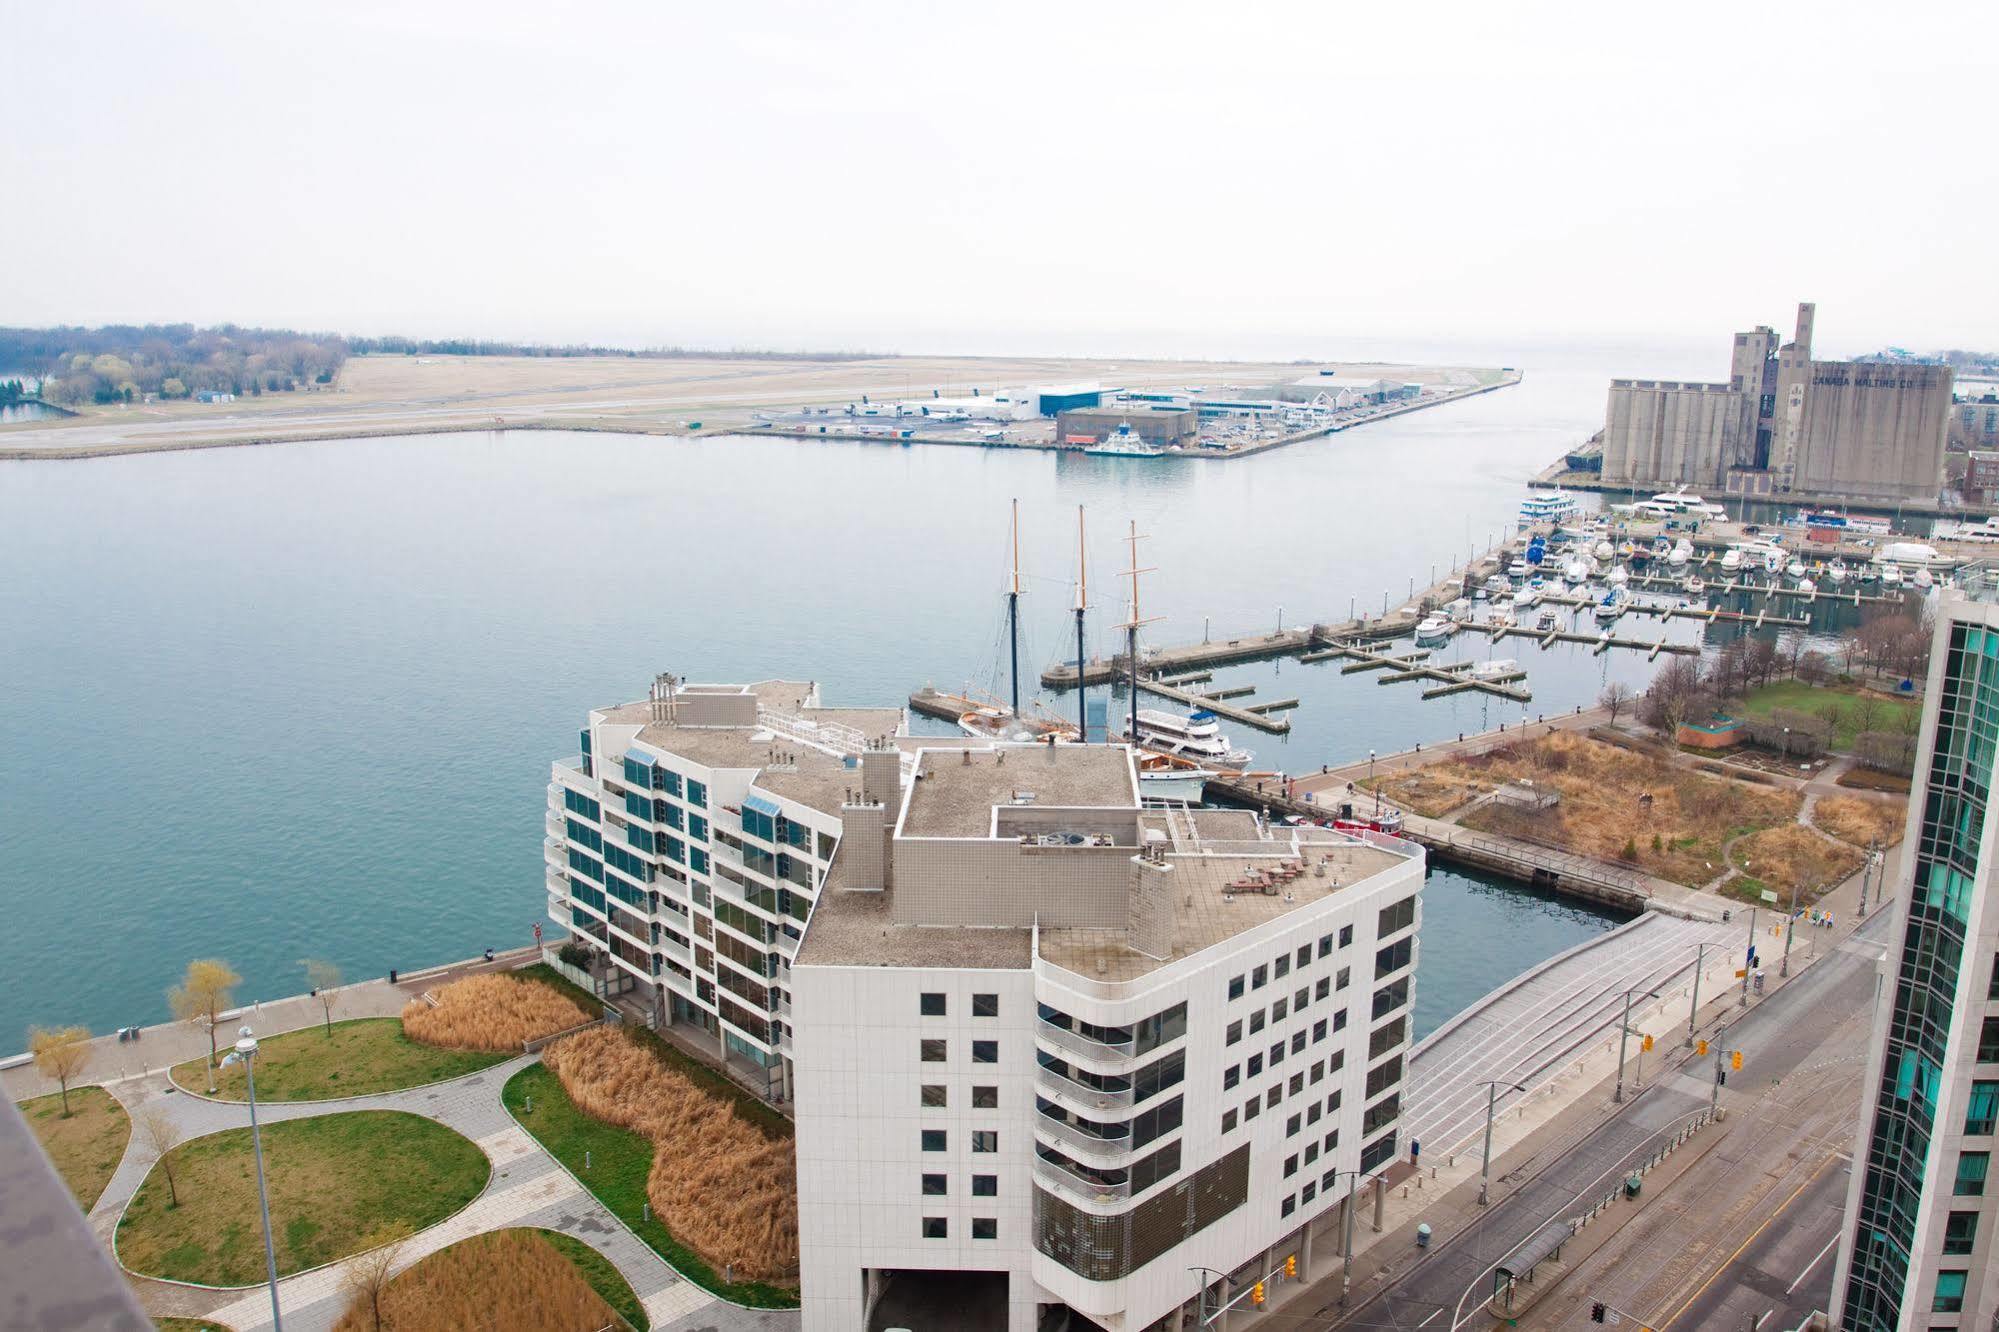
[[85, 1147], [603, 1276], [1841, 705], [356, 1058], [334, 1180], [620, 1161]]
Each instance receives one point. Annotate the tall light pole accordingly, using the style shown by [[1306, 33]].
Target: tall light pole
[[1624, 1035], [1790, 928], [1370, 782], [246, 1054], [1749, 958], [1492, 1087], [1694, 1008]]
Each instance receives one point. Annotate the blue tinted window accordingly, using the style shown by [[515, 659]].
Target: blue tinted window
[[697, 793]]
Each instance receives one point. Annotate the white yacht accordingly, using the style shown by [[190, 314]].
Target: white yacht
[[1795, 569], [1678, 503], [1525, 597], [1617, 577], [1495, 669], [1695, 585], [1435, 630], [1891, 575], [1836, 572], [1611, 606], [1731, 559], [1807, 586], [1576, 570], [1551, 508], [1604, 550], [1190, 735], [1681, 552]]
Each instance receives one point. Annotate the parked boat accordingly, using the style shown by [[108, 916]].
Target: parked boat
[[1496, 669], [1836, 572], [1923, 578], [1695, 585], [1891, 575], [1547, 621], [1617, 577], [1611, 606], [1435, 630], [1525, 598], [1190, 735], [1122, 443], [1168, 779], [1548, 508], [1795, 569], [1680, 554], [1731, 559]]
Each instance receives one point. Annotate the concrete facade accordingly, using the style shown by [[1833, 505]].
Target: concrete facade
[[1172, 425], [1785, 422]]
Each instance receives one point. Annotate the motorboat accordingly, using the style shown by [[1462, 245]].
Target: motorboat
[[1499, 617], [1123, 443], [1836, 572], [1891, 575], [1526, 597], [1496, 587], [1807, 586], [1611, 606], [1680, 554], [1923, 578], [1773, 561], [1731, 559], [1547, 621], [1435, 630], [1193, 734], [1518, 567], [1576, 571], [1617, 577], [1695, 585], [1497, 669], [1165, 779], [1795, 569]]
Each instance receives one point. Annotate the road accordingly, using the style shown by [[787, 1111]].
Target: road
[[1799, 1040]]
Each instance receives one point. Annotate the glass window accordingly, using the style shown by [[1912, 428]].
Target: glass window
[[1255, 1064], [1283, 968], [1290, 1204], [1279, 1010], [1256, 1022], [1325, 944], [1982, 1109], [1235, 987], [1272, 1097], [1290, 1166], [985, 1052], [1971, 1168], [1346, 935], [985, 1005], [1293, 1124], [935, 1094], [985, 1186], [934, 1186], [1234, 1032], [1297, 1042], [985, 1140], [934, 1052], [697, 793], [1231, 1076], [1950, 1293], [1304, 954], [1960, 1232], [934, 1227], [935, 1140], [1344, 979], [985, 1227], [1259, 978], [1988, 1041], [930, 1005], [1324, 987], [1252, 1108], [985, 1098], [1228, 1121], [1299, 1000]]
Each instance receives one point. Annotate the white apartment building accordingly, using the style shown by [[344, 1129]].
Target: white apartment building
[[690, 839], [1052, 1049], [1918, 1250]]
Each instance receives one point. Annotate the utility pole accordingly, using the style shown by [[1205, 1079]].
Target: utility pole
[[1485, 1161], [1714, 1100], [1790, 928], [1749, 958], [1694, 1008], [1013, 616], [1624, 1036]]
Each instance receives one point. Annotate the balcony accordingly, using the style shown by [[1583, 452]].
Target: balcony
[[555, 851], [1088, 1143], [1065, 1180], [1064, 1039], [1081, 1097], [554, 825], [679, 952]]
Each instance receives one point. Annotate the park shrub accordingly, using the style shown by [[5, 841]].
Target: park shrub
[[491, 1013], [504, 1281], [722, 1186]]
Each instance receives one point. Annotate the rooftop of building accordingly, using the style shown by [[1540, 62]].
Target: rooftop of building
[[856, 929], [955, 791]]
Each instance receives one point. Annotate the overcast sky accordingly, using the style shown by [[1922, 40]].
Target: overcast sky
[[1199, 178]]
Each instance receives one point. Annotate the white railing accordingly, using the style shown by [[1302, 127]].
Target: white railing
[[826, 735], [1079, 1044], [1068, 1181], [1090, 1098], [1084, 1141]]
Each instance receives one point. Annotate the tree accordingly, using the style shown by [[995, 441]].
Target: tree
[[60, 1053], [159, 1134], [202, 996], [1670, 699], [1814, 668], [1761, 660], [367, 1276], [1615, 695], [324, 978]]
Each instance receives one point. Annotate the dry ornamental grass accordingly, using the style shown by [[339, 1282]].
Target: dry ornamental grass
[[505, 1281], [1856, 819], [1795, 856], [721, 1186], [491, 1013]]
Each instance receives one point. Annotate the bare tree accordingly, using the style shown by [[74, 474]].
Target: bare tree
[[1613, 699], [202, 997], [160, 1135], [1866, 711], [60, 1053], [1669, 701], [324, 978], [367, 1276]]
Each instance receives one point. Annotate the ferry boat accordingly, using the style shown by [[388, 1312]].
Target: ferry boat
[[1122, 443], [1838, 520], [1550, 508], [1194, 735], [1677, 504], [1435, 630]]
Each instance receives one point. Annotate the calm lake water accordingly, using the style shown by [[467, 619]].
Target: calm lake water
[[299, 701]]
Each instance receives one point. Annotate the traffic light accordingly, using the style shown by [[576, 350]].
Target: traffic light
[[1702, 1047], [1256, 1293], [1291, 1266], [1735, 1059], [1645, 1044], [1596, 1312]]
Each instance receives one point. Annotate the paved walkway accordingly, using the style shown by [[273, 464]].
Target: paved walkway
[[527, 1188]]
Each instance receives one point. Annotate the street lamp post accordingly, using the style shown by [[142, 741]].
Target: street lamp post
[[1748, 957], [1790, 928], [1492, 1087], [246, 1054], [1624, 1035], [1694, 1008], [1370, 782]]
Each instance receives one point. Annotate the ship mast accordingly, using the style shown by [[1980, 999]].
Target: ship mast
[[1082, 600], [1013, 611], [1130, 628]]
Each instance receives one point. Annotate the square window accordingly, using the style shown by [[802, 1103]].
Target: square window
[[1259, 978], [935, 1140], [985, 1140], [1346, 935], [930, 1005], [1293, 1125], [1282, 967], [1290, 1204], [1273, 1096], [935, 1095], [1255, 1064], [1279, 1010], [1950, 1293], [1982, 1109], [1234, 1032], [1251, 1109], [985, 1186], [1960, 1232], [985, 1227], [1256, 1022], [1231, 1076], [1971, 1168], [936, 1227], [985, 1098], [934, 1052], [1228, 1121], [1290, 1166], [934, 1186], [1304, 954], [1309, 1192], [1235, 987], [985, 1052], [985, 1005]]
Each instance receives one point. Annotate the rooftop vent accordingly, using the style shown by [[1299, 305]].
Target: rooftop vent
[[1023, 797]]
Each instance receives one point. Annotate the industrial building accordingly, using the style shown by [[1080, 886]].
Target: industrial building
[[1054, 399], [1785, 423], [1918, 1248], [1974, 415], [1164, 426]]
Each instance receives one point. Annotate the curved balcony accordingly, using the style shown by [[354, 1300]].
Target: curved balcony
[[555, 851], [1083, 1141], [1065, 1180], [1081, 1097], [1064, 1039]]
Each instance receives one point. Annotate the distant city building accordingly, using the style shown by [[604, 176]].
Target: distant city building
[[1919, 1249], [1981, 477], [1784, 422], [1974, 415], [1151, 423]]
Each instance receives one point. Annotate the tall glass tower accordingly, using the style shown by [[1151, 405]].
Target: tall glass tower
[[1917, 1251]]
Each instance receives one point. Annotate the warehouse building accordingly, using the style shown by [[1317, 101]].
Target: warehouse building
[[1164, 426], [1785, 422]]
